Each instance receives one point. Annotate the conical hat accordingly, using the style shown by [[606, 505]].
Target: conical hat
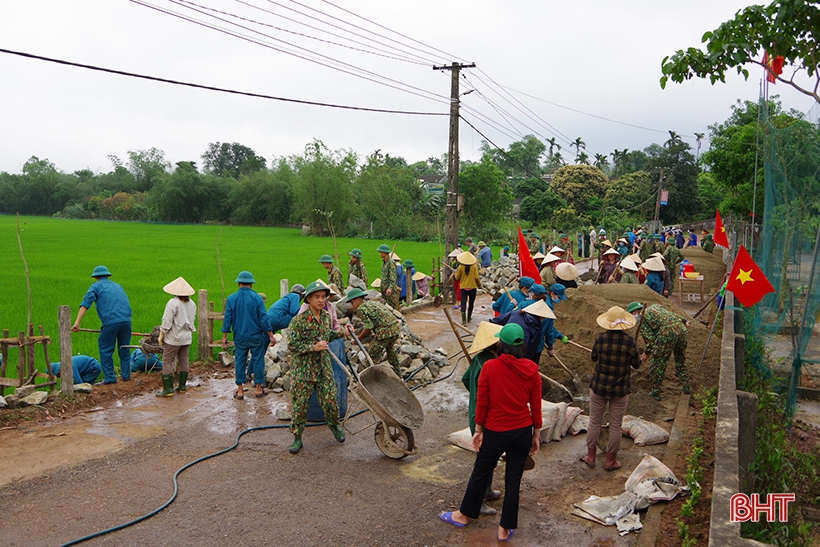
[[396, 258], [467, 258], [454, 253], [611, 252], [656, 255], [567, 271], [484, 337], [616, 318], [418, 276], [332, 288], [629, 264], [654, 264], [636, 258], [538, 255], [550, 258], [179, 287], [540, 309], [376, 282], [606, 242], [557, 249]]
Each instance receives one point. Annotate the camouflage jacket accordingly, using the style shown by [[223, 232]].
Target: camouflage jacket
[[380, 319], [334, 277], [390, 278], [305, 331], [659, 326], [358, 270], [673, 258]]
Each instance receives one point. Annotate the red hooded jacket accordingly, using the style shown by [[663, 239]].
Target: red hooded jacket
[[509, 394]]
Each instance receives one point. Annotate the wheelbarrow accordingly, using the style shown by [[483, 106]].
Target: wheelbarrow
[[395, 408]]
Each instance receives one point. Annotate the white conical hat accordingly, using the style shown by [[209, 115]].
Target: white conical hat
[[540, 309], [567, 271], [611, 252], [418, 276], [538, 255], [557, 249], [467, 258], [629, 264], [454, 253], [654, 264], [636, 258], [179, 287], [484, 337], [550, 258], [376, 282]]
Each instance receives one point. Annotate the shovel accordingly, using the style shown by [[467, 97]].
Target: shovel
[[579, 387]]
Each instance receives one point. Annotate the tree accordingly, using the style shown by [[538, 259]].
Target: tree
[[553, 146], [529, 187], [523, 158], [187, 196], [680, 173], [601, 161], [579, 185], [387, 196], [540, 206], [488, 199], [633, 193], [579, 145], [263, 197], [698, 139], [784, 28], [582, 159], [231, 160], [147, 166]]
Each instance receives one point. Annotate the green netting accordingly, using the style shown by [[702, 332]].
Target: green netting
[[787, 249]]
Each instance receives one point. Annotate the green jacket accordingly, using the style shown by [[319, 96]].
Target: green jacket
[[380, 319], [334, 277], [305, 331], [470, 381], [358, 270], [390, 277], [630, 278]]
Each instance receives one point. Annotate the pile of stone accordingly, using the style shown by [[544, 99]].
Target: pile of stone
[[28, 395], [500, 274]]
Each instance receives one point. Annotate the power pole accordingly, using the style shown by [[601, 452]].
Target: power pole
[[451, 225]]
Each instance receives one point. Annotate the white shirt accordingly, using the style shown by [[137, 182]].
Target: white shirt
[[178, 322]]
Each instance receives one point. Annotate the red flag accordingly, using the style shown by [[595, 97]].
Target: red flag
[[526, 265], [720, 232], [774, 66], [747, 280]]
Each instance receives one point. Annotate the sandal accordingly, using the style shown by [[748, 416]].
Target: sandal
[[261, 394], [236, 395]]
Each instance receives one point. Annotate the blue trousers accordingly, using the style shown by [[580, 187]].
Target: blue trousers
[[257, 348], [516, 443], [115, 334]]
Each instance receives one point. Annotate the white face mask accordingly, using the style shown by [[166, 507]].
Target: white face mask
[[555, 298], [637, 316]]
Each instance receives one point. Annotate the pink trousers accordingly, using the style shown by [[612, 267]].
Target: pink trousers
[[617, 408]]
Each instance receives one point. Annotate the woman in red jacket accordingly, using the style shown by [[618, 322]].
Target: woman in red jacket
[[508, 419]]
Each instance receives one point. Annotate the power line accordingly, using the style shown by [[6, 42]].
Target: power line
[[530, 173], [212, 88]]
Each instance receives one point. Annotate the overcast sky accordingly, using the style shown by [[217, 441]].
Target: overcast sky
[[599, 57]]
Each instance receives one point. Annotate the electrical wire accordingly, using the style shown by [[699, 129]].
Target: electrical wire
[[212, 88], [530, 173]]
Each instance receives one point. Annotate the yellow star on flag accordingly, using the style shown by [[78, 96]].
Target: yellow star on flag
[[722, 229], [744, 276]]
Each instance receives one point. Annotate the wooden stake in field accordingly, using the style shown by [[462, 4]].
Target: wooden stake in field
[[25, 267]]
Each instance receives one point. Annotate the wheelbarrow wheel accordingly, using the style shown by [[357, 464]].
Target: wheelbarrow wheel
[[400, 436]]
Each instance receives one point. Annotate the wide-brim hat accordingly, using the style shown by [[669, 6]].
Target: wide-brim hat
[[616, 318], [557, 249], [357, 253], [408, 264], [629, 264], [395, 257], [550, 258], [654, 264], [659, 256], [316, 286], [466, 258], [376, 282], [355, 293], [245, 277], [567, 271], [383, 248], [611, 252], [485, 337], [540, 309], [606, 242], [538, 255], [326, 259], [179, 287], [622, 240], [482, 244], [418, 276], [636, 258], [101, 271], [454, 253]]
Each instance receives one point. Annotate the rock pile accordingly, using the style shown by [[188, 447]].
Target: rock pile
[[501, 273], [26, 395]]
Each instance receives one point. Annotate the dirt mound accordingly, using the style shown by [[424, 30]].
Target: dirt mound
[[710, 266]]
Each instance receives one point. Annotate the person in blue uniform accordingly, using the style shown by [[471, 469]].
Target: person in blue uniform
[[407, 265], [245, 314], [485, 255], [285, 309], [504, 305], [114, 312], [85, 369], [528, 316], [556, 294], [654, 274]]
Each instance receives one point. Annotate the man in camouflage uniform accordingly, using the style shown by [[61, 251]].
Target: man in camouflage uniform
[[310, 332], [356, 266], [334, 275], [665, 334], [390, 278], [673, 258], [380, 320], [534, 244], [707, 243]]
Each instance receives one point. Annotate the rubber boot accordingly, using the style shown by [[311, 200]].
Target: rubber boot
[[655, 394], [463, 318], [296, 446], [469, 316], [338, 433], [486, 509], [611, 463], [590, 457], [167, 386], [490, 494], [183, 379]]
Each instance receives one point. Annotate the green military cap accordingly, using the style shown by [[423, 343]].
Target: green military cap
[[101, 271], [634, 306], [326, 259], [357, 253], [316, 286], [511, 334], [355, 293], [245, 277], [408, 264], [383, 248]]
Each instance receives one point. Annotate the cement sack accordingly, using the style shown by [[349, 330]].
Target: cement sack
[[562, 411], [653, 481], [581, 423], [549, 417], [462, 439], [644, 432], [569, 418]]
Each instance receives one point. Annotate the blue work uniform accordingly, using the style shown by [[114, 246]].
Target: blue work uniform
[[245, 314], [548, 330], [403, 285], [485, 256], [654, 280], [114, 312], [504, 304], [85, 369], [283, 311], [145, 363], [527, 321]]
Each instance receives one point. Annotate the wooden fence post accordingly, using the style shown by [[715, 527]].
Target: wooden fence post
[[66, 365], [203, 326], [284, 288]]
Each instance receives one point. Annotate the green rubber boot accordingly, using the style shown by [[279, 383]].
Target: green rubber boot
[[183, 379], [167, 386], [296, 446]]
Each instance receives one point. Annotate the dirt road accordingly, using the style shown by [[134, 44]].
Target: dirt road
[[64, 479]]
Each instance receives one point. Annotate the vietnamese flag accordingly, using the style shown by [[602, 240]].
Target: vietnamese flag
[[773, 65], [720, 232], [747, 280], [526, 265]]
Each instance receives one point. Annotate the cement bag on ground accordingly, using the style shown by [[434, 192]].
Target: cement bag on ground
[[653, 481], [549, 415], [462, 439], [644, 432], [581, 423], [556, 431], [569, 418]]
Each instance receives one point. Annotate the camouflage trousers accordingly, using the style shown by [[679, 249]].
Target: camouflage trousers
[[393, 300], [378, 347], [300, 398], [667, 344]]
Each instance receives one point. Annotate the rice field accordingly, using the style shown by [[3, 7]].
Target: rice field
[[61, 254]]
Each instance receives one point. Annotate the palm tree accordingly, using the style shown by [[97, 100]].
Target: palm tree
[[582, 159], [674, 138], [579, 145], [553, 145], [601, 161], [698, 137]]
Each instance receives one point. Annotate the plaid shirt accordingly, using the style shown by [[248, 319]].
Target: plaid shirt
[[615, 351]]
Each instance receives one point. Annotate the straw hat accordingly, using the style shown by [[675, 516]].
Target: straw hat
[[418, 276], [376, 283], [629, 264], [606, 242], [611, 252], [557, 249], [484, 337], [538, 255], [466, 258], [179, 287], [396, 258], [654, 264], [567, 271], [616, 318], [625, 242], [549, 258], [636, 258], [455, 252], [540, 309]]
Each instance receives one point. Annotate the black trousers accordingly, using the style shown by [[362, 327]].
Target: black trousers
[[468, 301], [516, 443]]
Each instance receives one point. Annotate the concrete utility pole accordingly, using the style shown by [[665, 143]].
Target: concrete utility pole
[[451, 226]]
